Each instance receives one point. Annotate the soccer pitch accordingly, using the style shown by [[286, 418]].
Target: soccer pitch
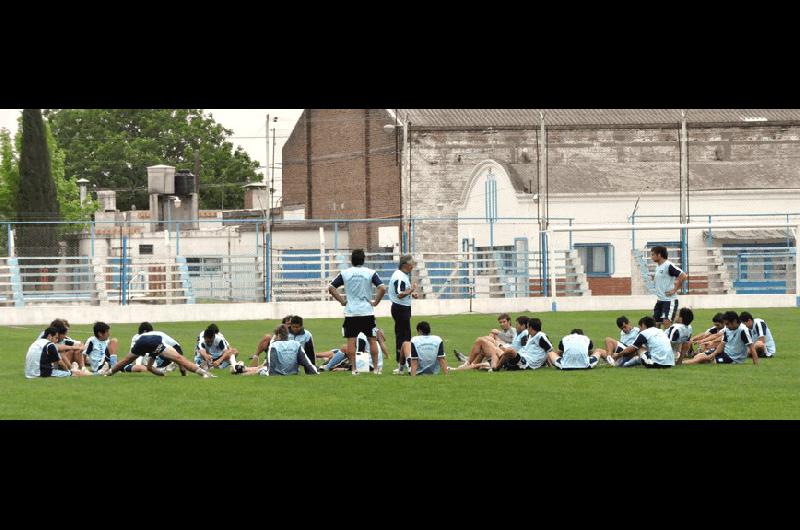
[[767, 391]]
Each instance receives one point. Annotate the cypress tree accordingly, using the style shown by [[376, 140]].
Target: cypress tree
[[37, 199]]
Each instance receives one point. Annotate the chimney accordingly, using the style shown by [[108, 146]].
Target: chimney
[[108, 200]]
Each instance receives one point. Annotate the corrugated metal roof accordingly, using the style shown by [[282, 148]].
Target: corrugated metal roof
[[601, 177], [450, 118]]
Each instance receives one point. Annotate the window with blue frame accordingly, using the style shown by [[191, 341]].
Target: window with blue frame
[[597, 258]]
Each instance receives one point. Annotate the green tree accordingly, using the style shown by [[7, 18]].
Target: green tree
[[113, 148], [67, 189], [36, 196]]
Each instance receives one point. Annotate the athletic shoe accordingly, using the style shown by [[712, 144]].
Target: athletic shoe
[[158, 371], [171, 367], [647, 360], [104, 369], [85, 370], [397, 371], [610, 360], [323, 368], [238, 368], [354, 373], [460, 356], [636, 361], [75, 366], [208, 375]]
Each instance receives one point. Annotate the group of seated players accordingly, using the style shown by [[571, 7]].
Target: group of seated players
[[732, 338]]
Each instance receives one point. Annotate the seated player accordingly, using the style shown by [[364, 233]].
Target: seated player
[[680, 333], [658, 353], [575, 352], [532, 354], [735, 346], [627, 334], [424, 354], [709, 339], [266, 340], [760, 333], [70, 350], [99, 348], [337, 360], [480, 356], [140, 364], [303, 336], [213, 351], [43, 358], [154, 344], [284, 358]]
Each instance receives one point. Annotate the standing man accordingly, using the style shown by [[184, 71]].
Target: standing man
[[401, 291], [359, 311], [668, 279]]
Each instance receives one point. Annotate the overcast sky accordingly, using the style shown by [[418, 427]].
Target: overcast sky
[[249, 130]]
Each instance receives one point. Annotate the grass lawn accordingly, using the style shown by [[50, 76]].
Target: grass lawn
[[767, 391]]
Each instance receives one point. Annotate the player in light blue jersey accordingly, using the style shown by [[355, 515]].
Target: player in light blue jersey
[[213, 351], [266, 340], [736, 344], [658, 352], [99, 348], [575, 352], [336, 359], [627, 334], [359, 311], [303, 336], [44, 360], [154, 344], [680, 333], [710, 338], [531, 353], [425, 352], [401, 291], [284, 358], [667, 280], [760, 333], [70, 351], [486, 351]]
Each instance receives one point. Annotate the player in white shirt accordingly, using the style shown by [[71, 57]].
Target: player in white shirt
[[213, 351], [735, 347], [658, 352], [680, 333], [424, 353], [710, 337], [575, 352], [763, 341], [100, 347], [667, 280], [627, 334]]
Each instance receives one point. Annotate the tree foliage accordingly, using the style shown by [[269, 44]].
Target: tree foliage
[[113, 148]]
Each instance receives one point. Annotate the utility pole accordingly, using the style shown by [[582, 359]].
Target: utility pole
[[267, 232], [407, 166], [272, 177], [684, 199]]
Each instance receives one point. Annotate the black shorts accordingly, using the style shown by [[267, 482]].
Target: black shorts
[[619, 348], [148, 344], [354, 325], [666, 309], [656, 365], [723, 358], [512, 364]]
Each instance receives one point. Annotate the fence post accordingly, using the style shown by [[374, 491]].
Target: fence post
[[91, 252], [124, 272], [543, 278], [570, 234], [797, 264], [177, 239], [10, 241], [552, 267], [268, 268], [709, 241], [633, 231], [16, 282], [685, 257]]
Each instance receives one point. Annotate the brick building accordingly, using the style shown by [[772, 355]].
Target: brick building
[[599, 163]]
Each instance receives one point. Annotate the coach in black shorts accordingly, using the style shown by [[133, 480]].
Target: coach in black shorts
[[359, 311]]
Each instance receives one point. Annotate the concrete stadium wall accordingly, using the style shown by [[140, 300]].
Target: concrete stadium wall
[[42, 315]]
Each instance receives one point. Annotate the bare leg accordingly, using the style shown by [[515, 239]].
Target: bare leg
[[262, 346], [373, 350], [611, 346], [172, 355], [351, 353]]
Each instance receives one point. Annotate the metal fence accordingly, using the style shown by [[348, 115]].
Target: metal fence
[[235, 260]]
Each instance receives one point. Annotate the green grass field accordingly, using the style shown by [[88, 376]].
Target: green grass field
[[767, 391]]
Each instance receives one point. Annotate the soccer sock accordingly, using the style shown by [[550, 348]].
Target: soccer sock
[[201, 372]]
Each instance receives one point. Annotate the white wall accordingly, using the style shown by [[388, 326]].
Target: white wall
[[587, 207]]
